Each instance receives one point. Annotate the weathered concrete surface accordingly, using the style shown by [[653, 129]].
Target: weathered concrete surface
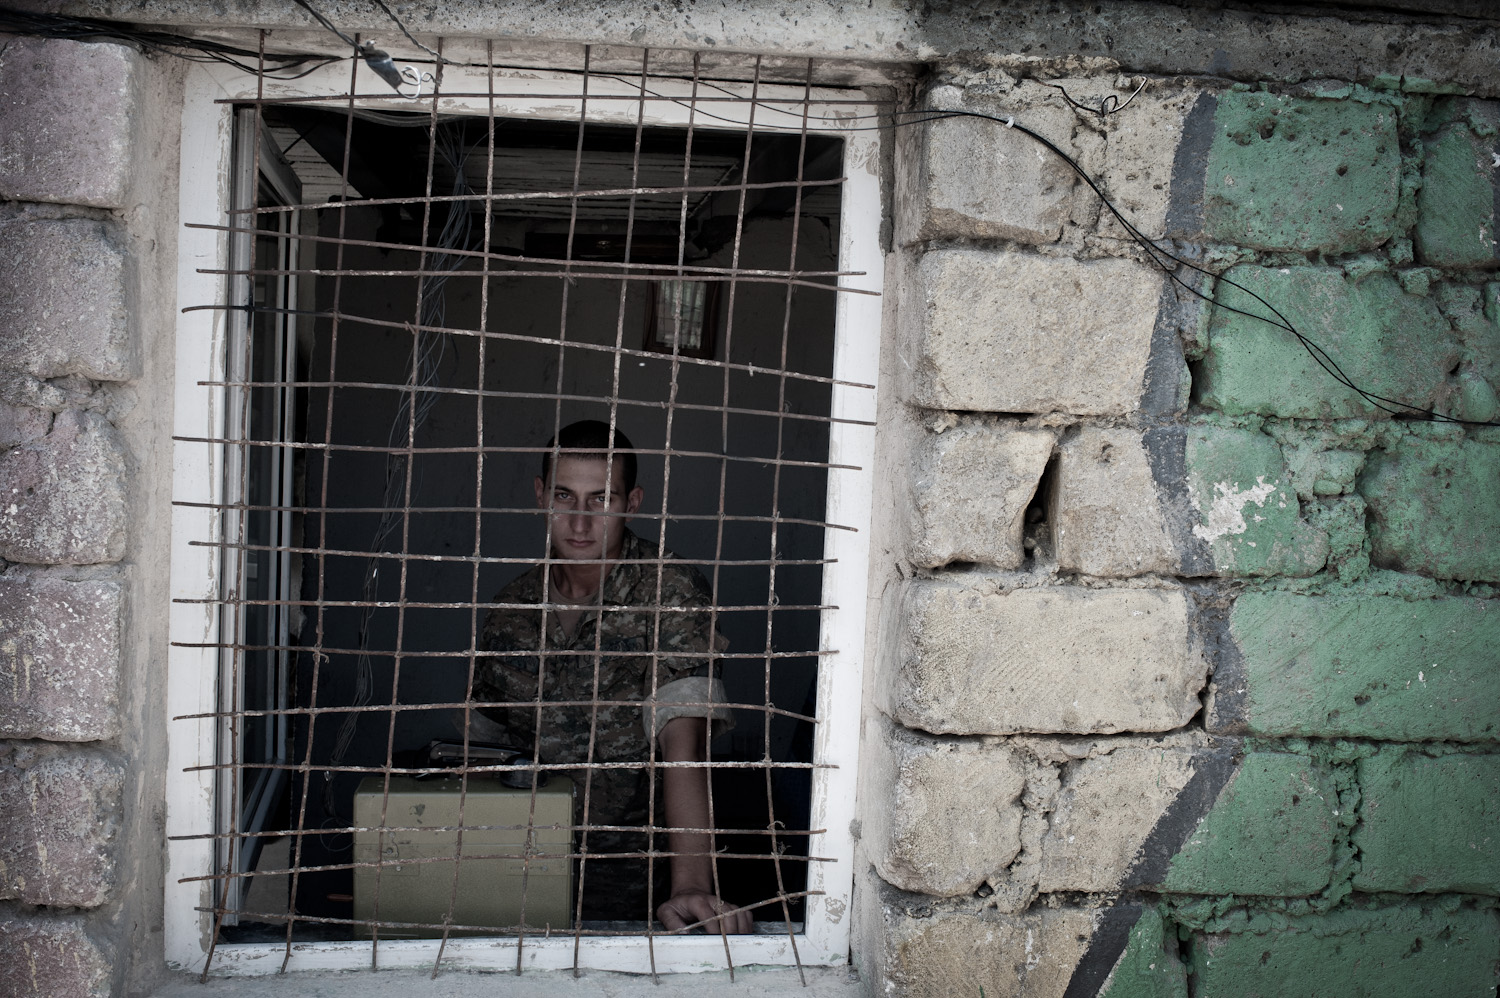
[[1434, 508], [66, 110], [1270, 832], [1289, 173], [1012, 332], [22, 424], [1248, 517], [950, 817], [1428, 823], [1029, 955], [71, 318], [1391, 344], [1060, 659], [1107, 517], [59, 658], [62, 498], [1387, 951], [970, 488], [1458, 201], [1360, 666], [62, 815], [51, 957], [1161, 38]]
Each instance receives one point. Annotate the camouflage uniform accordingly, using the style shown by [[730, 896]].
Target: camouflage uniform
[[567, 672]]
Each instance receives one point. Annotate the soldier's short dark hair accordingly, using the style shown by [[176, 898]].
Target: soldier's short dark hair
[[591, 438]]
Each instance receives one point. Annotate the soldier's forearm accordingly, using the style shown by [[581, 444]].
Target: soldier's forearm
[[685, 739]]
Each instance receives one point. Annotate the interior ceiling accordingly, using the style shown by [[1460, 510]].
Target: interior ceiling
[[387, 158]]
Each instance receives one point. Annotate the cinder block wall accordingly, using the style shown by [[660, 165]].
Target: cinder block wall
[[84, 323], [1188, 678]]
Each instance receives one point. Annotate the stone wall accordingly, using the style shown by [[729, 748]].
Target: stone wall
[[1188, 681], [1186, 677], [74, 233]]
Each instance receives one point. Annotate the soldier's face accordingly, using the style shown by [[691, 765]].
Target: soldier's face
[[588, 518]]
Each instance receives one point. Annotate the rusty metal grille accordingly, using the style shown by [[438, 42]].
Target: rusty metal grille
[[425, 292]]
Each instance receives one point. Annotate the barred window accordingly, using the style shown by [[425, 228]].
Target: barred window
[[522, 477]]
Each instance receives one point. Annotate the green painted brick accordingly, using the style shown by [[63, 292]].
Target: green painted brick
[[1457, 205], [1390, 343], [1248, 515], [1386, 953], [1287, 173], [1429, 823], [1149, 967], [1270, 832], [1435, 507], [1360, 666]]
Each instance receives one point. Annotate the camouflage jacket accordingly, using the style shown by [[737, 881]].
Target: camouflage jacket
[[628, 649]]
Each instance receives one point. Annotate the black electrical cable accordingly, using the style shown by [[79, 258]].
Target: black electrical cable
[[1160, 255], [182, 46]]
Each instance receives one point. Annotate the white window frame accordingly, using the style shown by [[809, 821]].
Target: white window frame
[[199, 478]]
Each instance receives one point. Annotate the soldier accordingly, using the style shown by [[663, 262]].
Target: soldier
[[618, 634]]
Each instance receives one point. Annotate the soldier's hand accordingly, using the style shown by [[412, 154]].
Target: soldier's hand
[[691, 907]]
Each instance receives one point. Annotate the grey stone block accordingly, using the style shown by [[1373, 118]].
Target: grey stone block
[[973, 178], [66, 110], [63, 310], [994, 331], [63, 813], [1107, 517], [48, 957], [950, 812], [970, 488], [1029, 955], [1057, 659], [59, 658], [1104, 813], [62, 498]]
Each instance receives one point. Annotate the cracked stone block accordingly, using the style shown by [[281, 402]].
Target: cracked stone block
[[970, 488], [57, 844], [1249, 518], [66, 113], [1358, 666], [59, 658], [1107, 516], [1057, 659], [999, 331], [51, 957], [971, 178], [1045, 952], [1429, 823], [1296, 173], [1392, 344], [71, 318], [950, 817], [1434, 508], [1105, 812], [62, 498]]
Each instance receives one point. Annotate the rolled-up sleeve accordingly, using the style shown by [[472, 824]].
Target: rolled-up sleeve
[[690, 696]]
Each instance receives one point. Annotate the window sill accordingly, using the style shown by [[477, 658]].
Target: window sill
[[822, 982]]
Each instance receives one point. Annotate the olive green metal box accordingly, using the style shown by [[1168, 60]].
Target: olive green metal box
[[416, 842]]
